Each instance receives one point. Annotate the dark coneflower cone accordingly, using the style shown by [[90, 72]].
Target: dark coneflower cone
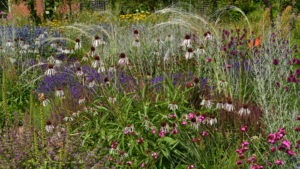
[[137, 41], [193, 120], [50, 66], [48, 123], [93, 48], [122, 55], [77, 40], [97, 37], [97, 57], [190, 50], [207, 33], [135, 32], [78, 68], [245, 106], [106, 79], [196, 80], [187, 37], [128, 125], [173, 125], [163, 124], [198, 114]]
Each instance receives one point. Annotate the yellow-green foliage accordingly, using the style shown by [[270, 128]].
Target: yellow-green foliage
[[285, 24]]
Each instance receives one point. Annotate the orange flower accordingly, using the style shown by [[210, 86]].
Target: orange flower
[[250, 45], [257, 41]]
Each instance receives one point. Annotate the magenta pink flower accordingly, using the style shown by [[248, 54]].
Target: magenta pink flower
[[256, 166], [204, 133], [279, 162], [286, 143], [239, 162], [174, 131], [128, 162], [191, 166], [110, 158], [173, 116], [184, 123], [153, 131], [291, 153], [245, 143], [191, 115], [161, 134], [244, 128], [208, 60], [143, 165], [228, 66], [154, 155], [273, 149], [298, 117], [239, 151]]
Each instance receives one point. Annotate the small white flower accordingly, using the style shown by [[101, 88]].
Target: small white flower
[[53, 45], [208, 36], [207, 103], [212, 121], [189, 54], [229, 106], [49, 126], [101, 69], [97, 62], [85, 58], [50, 70], [97, 42], [112, 99], [41, 36], [123, 61], [12, 60], [114, 151], [68, 119], [169, 38], [200, 51], [128, 129], [51, 59], [156, 53], [79, 72], [9, 44], [25, 46], [77, 44], [164, 127], [219, 105], [112, 69], [60, 93], [81, 100], [37, 42], [173, 106], [186, 42], [76, 114], [91, 83], [244, 111], [58, 62], [36, 50], [136, 43], [45, 102]]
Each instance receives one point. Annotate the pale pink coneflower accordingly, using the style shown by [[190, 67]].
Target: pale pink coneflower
[[60, 93], [97, 62], [91, 83], [123, 60], [112, 99], [173, 106], [187, 42], [129, 129], [77, 44], [79, 72], [81, 100], [244, 110]]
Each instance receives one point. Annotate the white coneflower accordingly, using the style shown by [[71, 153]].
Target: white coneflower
[[164, 127], [36, 50], [92, 52], [49, 126], [128, 129], [37, 42], [229, 106], [81, 100], [169, 38], [167, 56], [60, 93], [58, 62], [189, 54], [244, 110], [122, 155], [222, 83], [85, 58], [9, 44], [123, 60], [25, 46], [208, 35], [194, 123], [187, 42], [207, 103], [112, 99], [50, 70], [97, 62], [156, 53], [77, 44], [219, 105], [68, 119], [79, 72], [101, 69], [136, 34], [200, 51], [173, 106], [106, 81], [157, 41], [112, 69], [213, 120], [76, 114], [21, 42], [45, 102], [91, 83], [97, 42], [51, 59], [67, 51], [41, 36], [136, 43], [53, 45], [12, 60], [114, 151]]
